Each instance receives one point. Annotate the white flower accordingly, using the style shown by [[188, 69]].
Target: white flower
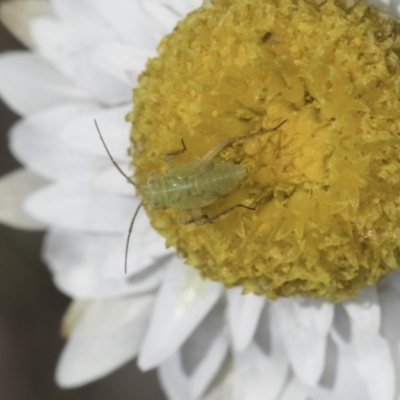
[[207, 342]]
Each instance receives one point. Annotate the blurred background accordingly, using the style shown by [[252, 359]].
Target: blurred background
[[31, 310]]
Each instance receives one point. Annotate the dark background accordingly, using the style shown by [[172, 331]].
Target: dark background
[[31, 310]]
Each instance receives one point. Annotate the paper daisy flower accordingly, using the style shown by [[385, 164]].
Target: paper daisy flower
[[316, 249]]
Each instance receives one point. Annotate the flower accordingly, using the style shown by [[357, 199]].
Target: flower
[[207, 342], [324, 185]]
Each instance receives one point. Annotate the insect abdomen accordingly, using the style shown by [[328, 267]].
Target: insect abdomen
[[222, 179], [196, 184]]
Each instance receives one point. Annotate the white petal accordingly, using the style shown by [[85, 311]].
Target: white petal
[[342, 326], [183, 7], [34, 143], [182, 303], [372, 360], [14, 189], [388, 6], [88, 24], [204, 352], [295, 390], [243, 315], [304, 325], [81, 265], [161, 17], [364, 311], [60, 43], [369, 352], [127, 19], [109, 180], [395, 352], [173, 380], [81, 133], [393, 279], [146, 246], [118, 59], [29, 84], [340, 379], [107, 335], [261, 370], [190, 371], [178, 7], [133, 78], [221, 388], [193, 3], [17, 16], [367, 349], [252, 376], [78, 206], [390, 306]]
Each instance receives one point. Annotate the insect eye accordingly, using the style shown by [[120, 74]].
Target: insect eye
[[154, 203], [150, 183]]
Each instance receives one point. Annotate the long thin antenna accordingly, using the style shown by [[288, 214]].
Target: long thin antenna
[[129, 235], [113, 161], [133, 183]]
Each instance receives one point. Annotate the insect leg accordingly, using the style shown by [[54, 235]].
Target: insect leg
[[167, 156], [216, 149], [184, 219], [220, 214], [198, 216]]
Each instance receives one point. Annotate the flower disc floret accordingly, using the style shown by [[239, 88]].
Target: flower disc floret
[[326, 185]]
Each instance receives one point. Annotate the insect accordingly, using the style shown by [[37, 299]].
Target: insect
[[191, 185]]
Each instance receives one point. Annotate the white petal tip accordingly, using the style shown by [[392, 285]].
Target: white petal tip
[[17, 15], [144, 366], [146, 363], [14, 189]]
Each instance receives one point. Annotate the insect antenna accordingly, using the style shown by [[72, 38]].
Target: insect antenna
[[133, 183], [129, 234], [113, 161]]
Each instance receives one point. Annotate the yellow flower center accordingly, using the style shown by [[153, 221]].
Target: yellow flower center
[[326, 185]]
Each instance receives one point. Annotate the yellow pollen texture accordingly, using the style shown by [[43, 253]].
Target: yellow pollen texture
[[326, 185]]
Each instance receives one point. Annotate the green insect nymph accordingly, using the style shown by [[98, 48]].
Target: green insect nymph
[[192, 185]]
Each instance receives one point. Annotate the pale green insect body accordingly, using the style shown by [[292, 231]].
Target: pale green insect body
[[194, 184]]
